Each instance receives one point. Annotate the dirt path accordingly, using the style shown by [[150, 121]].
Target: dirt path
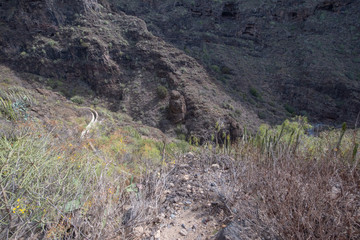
[[94, 120], [193, 207]]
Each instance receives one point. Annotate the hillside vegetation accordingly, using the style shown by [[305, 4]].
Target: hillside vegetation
[[282, 182], [186, 119]]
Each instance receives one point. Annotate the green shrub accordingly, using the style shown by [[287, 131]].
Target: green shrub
[[77, 99], [52, 43], [6, 80], [14, 103], [228, 106], [161, 92], [216, 68], [289, 109], [7, 110], [254, 92], [55, 83], [262, 115], [225, 70]]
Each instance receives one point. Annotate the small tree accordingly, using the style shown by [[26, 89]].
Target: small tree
[[161, 92]]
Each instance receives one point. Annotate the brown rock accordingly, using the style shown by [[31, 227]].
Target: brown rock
[[235, 130], [177, 107]]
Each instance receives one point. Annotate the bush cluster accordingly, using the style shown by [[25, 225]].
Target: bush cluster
[[162, 92]]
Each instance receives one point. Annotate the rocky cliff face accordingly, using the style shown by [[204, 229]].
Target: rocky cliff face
[[85, 41], [276, 57], [250, 60]]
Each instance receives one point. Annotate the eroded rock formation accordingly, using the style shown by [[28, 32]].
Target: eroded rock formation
[[279, 58], [115, 54], [177, 107]]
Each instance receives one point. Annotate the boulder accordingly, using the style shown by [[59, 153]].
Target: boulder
[[235, 130], [177, 107], [232, 232]]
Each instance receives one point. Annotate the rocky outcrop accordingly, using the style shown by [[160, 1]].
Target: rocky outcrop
[[177, 107], [233, 231], [86, 42], [286, 57], [332, 5], [235, 130]]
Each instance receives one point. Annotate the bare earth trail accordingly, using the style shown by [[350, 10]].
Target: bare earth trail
[[92, 123], [194, 205]]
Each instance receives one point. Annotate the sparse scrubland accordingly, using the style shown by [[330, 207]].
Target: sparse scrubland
[[55, 185], [178, 147], [298, 186], [281, 181], [55, 188]]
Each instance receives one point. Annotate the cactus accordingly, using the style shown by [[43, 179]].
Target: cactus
[[343, 130]]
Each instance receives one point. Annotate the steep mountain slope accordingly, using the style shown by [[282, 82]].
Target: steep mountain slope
[[65, 43], [279, 58], [70, 173]]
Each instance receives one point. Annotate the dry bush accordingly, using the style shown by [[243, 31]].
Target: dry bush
[[295, 189], [302, 199]]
